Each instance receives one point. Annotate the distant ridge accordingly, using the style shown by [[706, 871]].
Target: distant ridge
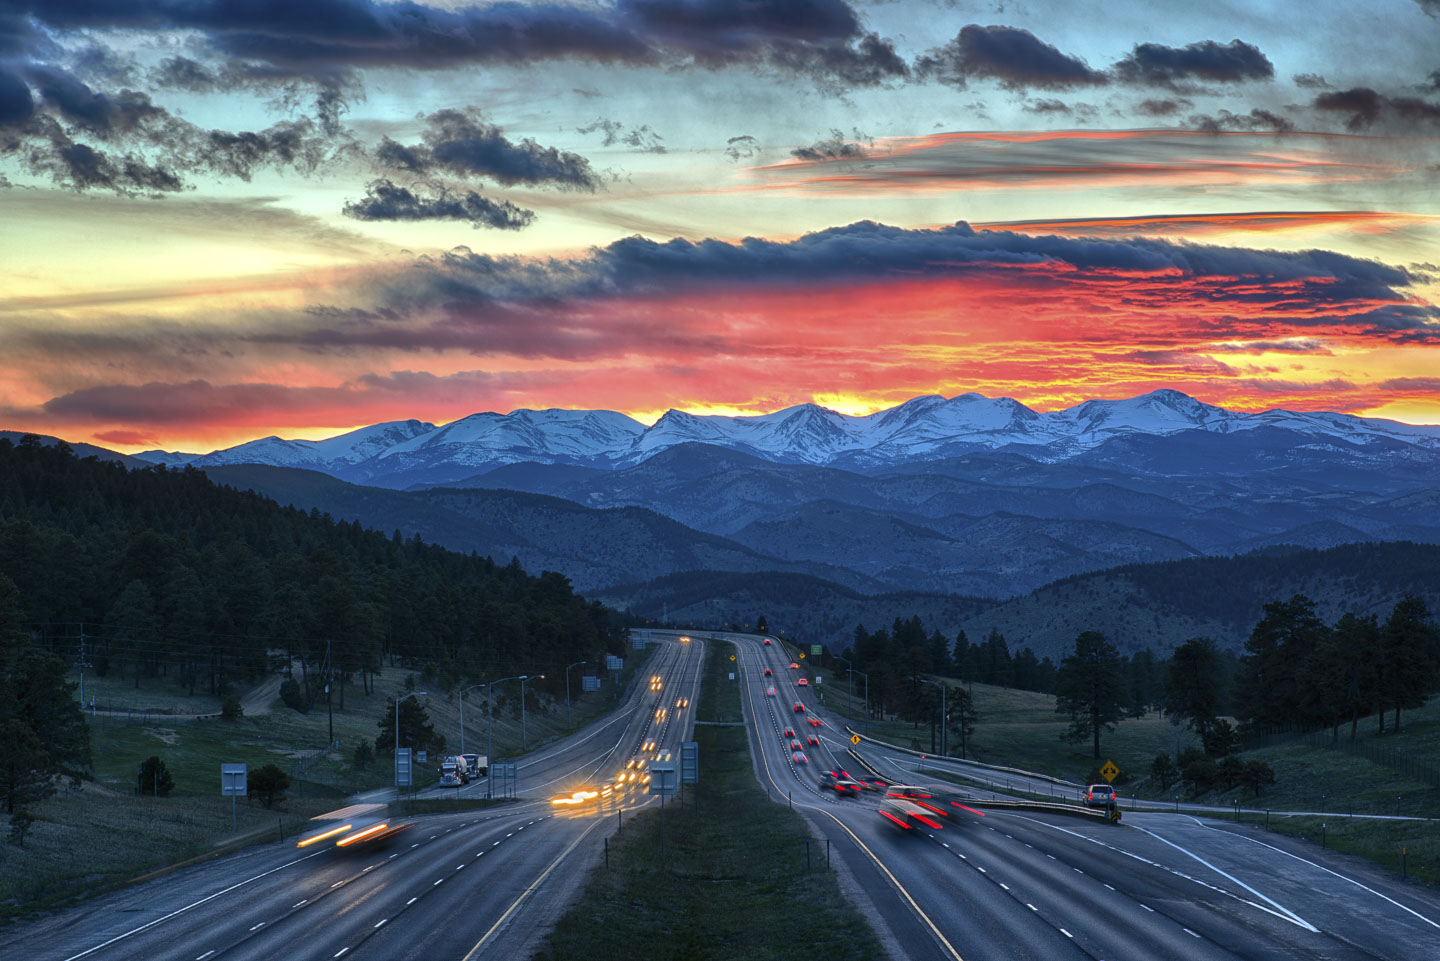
[[408, 453]]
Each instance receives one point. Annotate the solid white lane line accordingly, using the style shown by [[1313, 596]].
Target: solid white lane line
[[1291, 915], [1343, 878], [195, 904]]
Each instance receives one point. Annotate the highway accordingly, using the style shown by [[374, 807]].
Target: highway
[[1025, 885], [485, 883], [990, 885]]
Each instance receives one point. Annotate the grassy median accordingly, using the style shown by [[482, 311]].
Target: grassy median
[[733, 882]]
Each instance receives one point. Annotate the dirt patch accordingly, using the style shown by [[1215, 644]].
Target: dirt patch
[[165, 734]]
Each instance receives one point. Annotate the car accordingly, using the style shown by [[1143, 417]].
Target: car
[[799, 708], [812, 740], [815, 721], [839, 783], [767, 641], [768, 672], [771, 692], [800, 758], [789, 732], [1100, 796], [794, 665], [803, 683], [795, 745]]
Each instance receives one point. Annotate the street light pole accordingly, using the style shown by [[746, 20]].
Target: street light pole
[[490, 724], [462, 716], [850, 675], [523, 742], [567, 690], [944, 750], [398, 701]]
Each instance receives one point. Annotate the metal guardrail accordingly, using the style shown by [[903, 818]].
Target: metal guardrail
[[1060, 782]]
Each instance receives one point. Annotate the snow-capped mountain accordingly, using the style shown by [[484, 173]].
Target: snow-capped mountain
[[404, 453]]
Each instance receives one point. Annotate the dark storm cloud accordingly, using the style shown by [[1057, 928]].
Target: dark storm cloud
[[823, 39], [1432, 7], [1366, 107], [385, 200], [1310, 81], [1015, 58], [835, 148], [1258, 119], [104, 115], [460, 143], [464, 300], [1156, 65], [17, 104]]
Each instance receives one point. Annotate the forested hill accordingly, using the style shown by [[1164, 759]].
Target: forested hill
[[167, 573], [1160, 605]]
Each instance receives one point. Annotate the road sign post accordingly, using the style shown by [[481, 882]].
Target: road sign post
[[233, 784], [663, 781]]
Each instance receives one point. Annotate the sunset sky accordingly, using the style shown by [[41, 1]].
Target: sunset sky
[[226, 219]]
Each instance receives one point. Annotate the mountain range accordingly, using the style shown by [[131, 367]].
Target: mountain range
[[413, 453], [945, 506]]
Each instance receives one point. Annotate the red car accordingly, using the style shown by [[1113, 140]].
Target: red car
[[803, 683], [767, 640], [815, 721], [767, 672]]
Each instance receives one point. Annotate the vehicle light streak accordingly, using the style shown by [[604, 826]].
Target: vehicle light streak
[[327, 834], [361, 835]]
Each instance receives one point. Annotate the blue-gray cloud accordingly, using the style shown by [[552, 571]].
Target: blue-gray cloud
[[1015, 58], [1156, 65], [385, 200], [460, 143]]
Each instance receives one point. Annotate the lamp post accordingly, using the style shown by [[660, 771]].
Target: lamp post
[[944, 748], [538, 677], [850, 675], [490, 723], [462, 715], [567, 690], [398, 701], [867, 691]]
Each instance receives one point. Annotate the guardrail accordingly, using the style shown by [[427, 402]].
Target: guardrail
[[1059, 782]]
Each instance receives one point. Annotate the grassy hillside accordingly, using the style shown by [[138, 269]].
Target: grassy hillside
[[123, 835]]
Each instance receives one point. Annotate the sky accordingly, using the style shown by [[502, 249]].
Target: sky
[[228, 219]]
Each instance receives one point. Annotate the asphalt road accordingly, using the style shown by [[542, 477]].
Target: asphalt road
[[999, 885], [485, 883], [1020, 885]]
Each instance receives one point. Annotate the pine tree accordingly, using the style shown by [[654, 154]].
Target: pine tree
[[1091, 689]]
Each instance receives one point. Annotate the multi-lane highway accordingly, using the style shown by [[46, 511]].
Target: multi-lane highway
[[973, 886], [1017, 885], [481, 884]]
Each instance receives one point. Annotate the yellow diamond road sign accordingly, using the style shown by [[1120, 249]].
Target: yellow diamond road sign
[[1109, 771], [854, 739], [732, 657]]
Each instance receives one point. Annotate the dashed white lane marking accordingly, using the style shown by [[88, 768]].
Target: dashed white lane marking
[[1189, 932], [340, 952], [299, 904], [1067, 934], [337, 884], [415, 845], [381, 921], [1108, 886], [437, 882], [411, 901], [1146, 907], [1031, 906], [392, 857], [1003, 885], [434, 836], [258, 926], [205, 955], [981, 870]]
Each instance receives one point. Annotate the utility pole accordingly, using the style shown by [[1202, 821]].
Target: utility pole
[[82, 663]]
